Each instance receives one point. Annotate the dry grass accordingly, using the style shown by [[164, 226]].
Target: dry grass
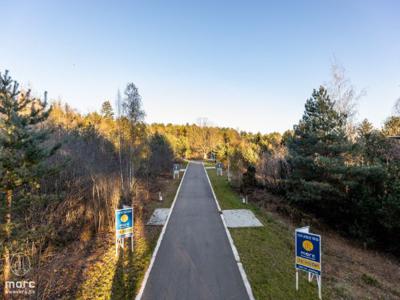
[[89, 269]]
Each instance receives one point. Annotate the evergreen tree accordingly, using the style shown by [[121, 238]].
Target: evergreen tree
[[365, 128], [161, 155], [317, 153], [106, 110], [392, 126], [249, 181], [388, 213], [22, 153], [370, 144]]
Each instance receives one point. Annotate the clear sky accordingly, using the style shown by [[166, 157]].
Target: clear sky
[[243, 64]]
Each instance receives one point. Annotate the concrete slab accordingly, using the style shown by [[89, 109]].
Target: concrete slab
[[236, 218], [159, 217]]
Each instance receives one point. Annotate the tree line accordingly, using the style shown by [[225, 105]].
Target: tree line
[[345, 173], [63, 173], [351, 181]]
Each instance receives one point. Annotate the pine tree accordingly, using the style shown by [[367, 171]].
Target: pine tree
[[317, 155], [22, 152], [370, 144], [365, 128], [161, 155], [106, 110]]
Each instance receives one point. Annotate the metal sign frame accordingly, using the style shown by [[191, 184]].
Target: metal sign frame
[[175, 171], [218, 167]]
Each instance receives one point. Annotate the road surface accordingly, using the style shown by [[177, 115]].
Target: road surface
[[195, 259]]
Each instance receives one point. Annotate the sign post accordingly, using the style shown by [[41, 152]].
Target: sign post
[[219, 169], [229, 171], [308, 256], [176, 171], [123, 227]]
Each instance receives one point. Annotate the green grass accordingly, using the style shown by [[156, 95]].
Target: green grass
[[184, 164], [370, 280], [209, 163], [267, 253]]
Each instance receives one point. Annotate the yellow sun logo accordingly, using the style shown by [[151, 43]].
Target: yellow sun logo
[[308, 246], [124, 218]]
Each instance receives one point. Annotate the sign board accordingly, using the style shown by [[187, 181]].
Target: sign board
[[124, 223], [219, 169], [308, 252], [308, 256], [176, 171]]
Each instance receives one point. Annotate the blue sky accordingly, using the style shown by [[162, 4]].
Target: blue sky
[[248, 64]]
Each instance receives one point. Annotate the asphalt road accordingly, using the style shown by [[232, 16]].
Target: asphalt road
[[195, 260]]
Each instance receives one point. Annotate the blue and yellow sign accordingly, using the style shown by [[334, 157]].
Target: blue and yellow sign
[[124, 222], [308, 252]]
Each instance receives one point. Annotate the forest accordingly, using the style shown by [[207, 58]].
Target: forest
[[62, 173], [345, 174]]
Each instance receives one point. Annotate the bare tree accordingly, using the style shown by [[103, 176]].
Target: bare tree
[[203, 122], [134, 113], [132, 105], [118, 104], [344, 94], [208, 139], [396, 107]]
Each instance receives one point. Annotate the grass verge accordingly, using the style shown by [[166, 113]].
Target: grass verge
[[267, 253], [349, 270], [209, 163]]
